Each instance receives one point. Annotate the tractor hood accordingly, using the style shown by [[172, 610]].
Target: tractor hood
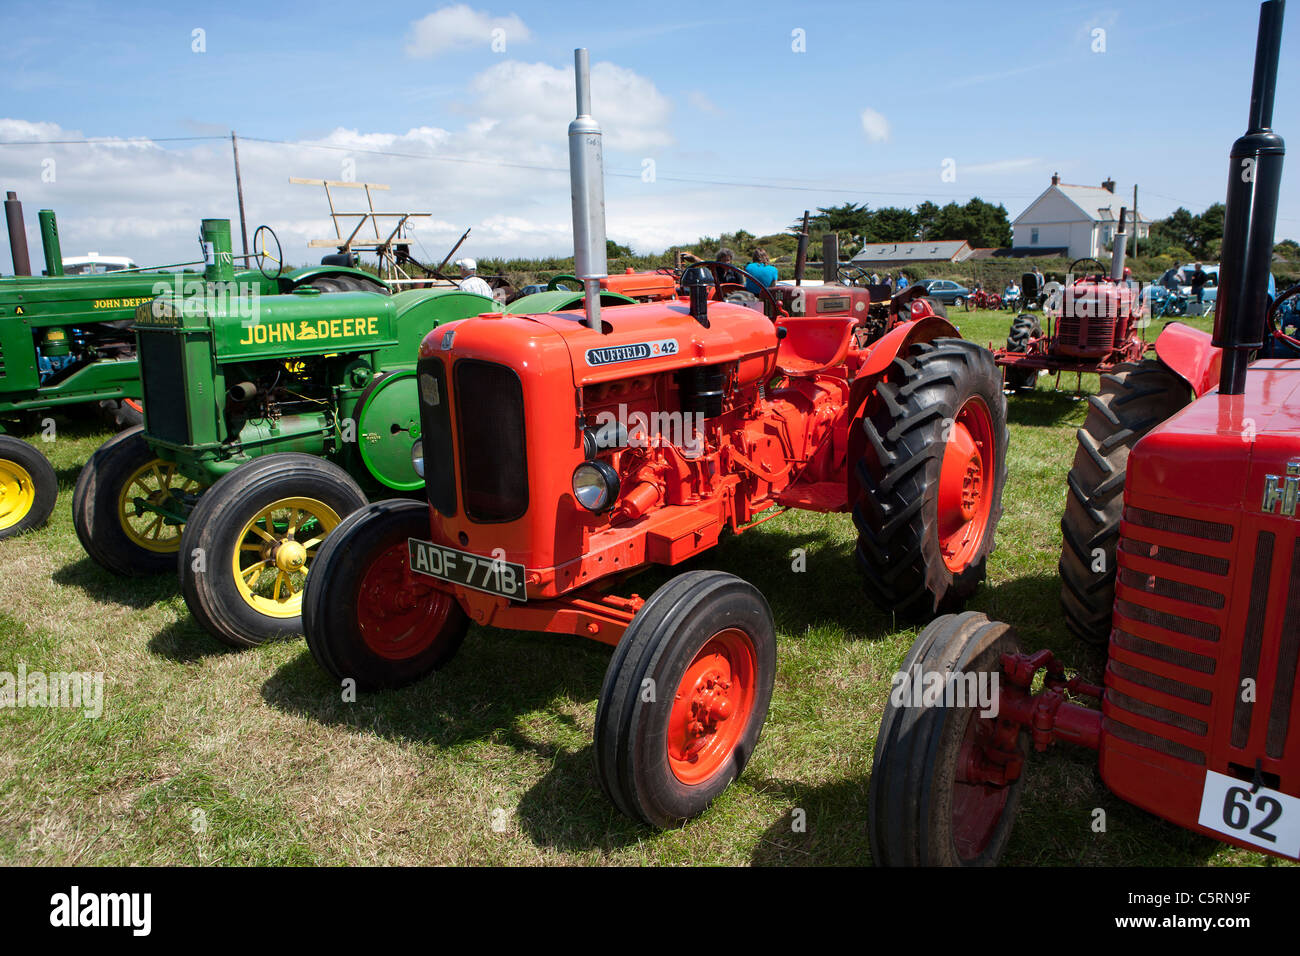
[[1237, 439]]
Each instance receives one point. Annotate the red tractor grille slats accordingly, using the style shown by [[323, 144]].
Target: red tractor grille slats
[[1279, 714], [1167, 621], [1161, 652], [1144, 739], [1192, 560], [1142, 708], [1207, 530], [1177, 590], [1253, 635], [1157, 682]]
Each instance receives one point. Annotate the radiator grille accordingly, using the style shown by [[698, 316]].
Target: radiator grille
[[1253, 635], [1176, 590], [1279, 714], [1166, 685], [1162, 652], [435, 436], [490, 420], [1207, 530], [162, 375], [1167, 621], [1191, 560], [1164, 715], [1143, 739]]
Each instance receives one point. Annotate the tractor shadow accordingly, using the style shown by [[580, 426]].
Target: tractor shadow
[[185, 642], [105, 587], [1044, 407], [825, 825], [528, 693]]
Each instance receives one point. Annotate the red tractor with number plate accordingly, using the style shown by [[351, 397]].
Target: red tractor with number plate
[[562, 452], [1197, 719]]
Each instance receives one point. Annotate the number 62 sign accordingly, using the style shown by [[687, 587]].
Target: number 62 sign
[[1265, 818]]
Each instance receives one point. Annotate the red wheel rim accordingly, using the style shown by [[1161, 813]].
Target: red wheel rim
[[712, 706], [966, 485], [977, 807], [399, 614]]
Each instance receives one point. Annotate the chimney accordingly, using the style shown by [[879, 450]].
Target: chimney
[[587, 176], [1108, 185], [1056, 179]]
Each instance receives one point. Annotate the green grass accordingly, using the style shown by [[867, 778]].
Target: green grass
[[212, 756]]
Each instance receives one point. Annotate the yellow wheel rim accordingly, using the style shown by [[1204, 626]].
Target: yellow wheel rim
[[274, 552], [158, 483], [17, 493]]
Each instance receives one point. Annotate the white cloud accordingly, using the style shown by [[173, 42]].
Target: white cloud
[[875, 126], [702, 103], [461, 25], [535, 101]]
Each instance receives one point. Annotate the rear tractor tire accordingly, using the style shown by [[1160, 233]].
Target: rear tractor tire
[[28, 487], [685, 697], [928, 804], [930, 478], [1023, 328], [129, 505], [367, 616], [1134, 399], [252, 541]]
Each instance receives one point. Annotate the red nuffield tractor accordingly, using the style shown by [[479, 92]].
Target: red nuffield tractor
[[1198, 719], [1094, 323], [564, 451]]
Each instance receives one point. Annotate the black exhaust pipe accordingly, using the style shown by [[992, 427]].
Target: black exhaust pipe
[[17, 235], [1254, 183]]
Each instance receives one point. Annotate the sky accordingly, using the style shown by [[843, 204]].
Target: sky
[[715, 116]]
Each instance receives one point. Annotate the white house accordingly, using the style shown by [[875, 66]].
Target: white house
[[1074, 221]]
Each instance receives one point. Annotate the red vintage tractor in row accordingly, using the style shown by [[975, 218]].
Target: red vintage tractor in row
[[1095, 323], [1195, 578], [563, 452]]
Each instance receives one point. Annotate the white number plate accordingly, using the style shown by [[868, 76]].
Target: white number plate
[[492, 575], [1266, 818]]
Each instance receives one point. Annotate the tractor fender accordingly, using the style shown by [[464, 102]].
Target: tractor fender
[[291, 280], [892, 344], [1190, 354]]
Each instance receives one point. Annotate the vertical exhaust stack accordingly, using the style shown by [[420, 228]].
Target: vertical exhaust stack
[[17, 235], [1119, 251], [1254, 183], [50, 243], [587, 176]]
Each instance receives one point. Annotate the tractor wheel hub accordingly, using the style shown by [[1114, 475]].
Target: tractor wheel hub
[[290, 556]]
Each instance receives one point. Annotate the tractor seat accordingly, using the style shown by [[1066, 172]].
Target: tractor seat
[[813, 345]]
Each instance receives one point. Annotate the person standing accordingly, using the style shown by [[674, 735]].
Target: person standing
[[902, 282], [1199, 278], [470, 281], [762, 272]]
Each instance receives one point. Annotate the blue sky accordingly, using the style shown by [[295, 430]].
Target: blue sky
[[711, 93]]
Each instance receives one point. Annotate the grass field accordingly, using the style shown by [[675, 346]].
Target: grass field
[[206, 755]]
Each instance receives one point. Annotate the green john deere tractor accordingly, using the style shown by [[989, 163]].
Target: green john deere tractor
[[267, 420], [66, 341]]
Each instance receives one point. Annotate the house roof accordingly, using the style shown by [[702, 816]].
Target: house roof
[[1096, 203], [936, 251]]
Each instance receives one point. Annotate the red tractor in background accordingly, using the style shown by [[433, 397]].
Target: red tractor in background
[[1198, 720], [563, 452], [1095, 323]]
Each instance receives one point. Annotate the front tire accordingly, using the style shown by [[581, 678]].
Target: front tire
[[1134, 399], [1023, 328], [928, 804], [931, 477], [129, 506], [685, 697], [28, 487], [250, 545], [366, 614]]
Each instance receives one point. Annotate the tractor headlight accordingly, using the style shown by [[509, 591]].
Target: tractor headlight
[[595, 485], [417, 457]]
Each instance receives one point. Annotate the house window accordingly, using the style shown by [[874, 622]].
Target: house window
[[1033, 237]]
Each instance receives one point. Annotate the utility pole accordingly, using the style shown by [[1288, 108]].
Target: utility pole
[[1137, 228], [239, 189]]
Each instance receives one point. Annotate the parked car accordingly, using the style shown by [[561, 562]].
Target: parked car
[[946, 291]]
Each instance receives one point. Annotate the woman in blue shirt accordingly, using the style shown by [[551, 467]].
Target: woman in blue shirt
[[763, 272]]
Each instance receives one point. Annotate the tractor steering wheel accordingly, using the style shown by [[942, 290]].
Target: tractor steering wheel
[[720, 287], [563, 277], [262, 254], [1101, 270], [850, 275]]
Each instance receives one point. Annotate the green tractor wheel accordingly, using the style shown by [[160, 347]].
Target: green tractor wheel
[[252, 541], [28, 487], [129, 506]]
